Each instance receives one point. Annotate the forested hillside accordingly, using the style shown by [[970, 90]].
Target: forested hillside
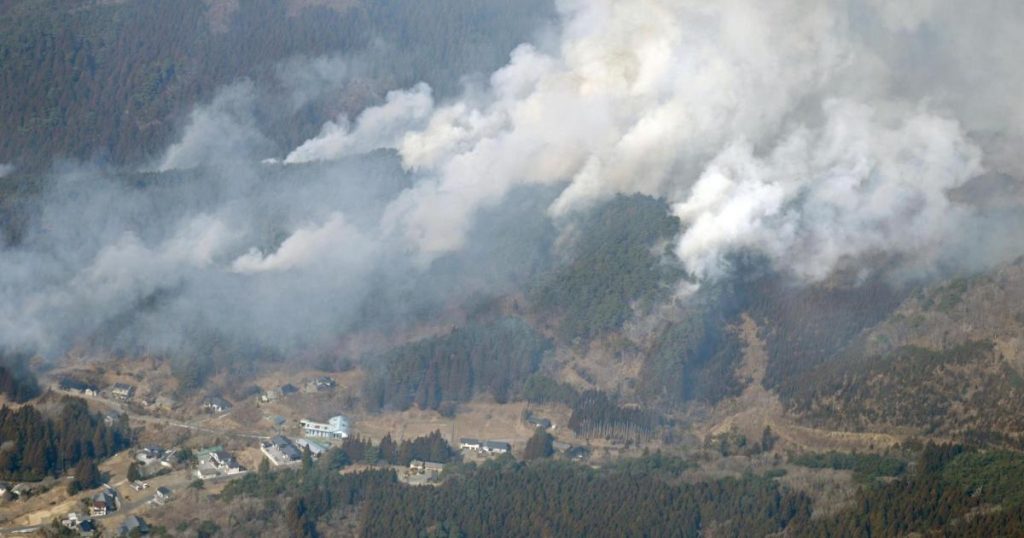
[[959, 338], [503, 498], [954, 491], [114, 80], [613, 265], [495, 358], [695, 357]]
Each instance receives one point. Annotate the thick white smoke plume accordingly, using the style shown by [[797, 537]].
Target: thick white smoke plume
[[810, 128], [815, 133], [379, 127]]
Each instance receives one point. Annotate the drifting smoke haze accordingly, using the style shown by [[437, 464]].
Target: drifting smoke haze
[[817, 134]]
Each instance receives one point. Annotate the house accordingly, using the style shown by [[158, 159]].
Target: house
[[315, 449], [560, 446], [133, 524], [216, 404], [4, 488], [225, 463], [428, 469], [335, 428], [319, 384], [103, 503], [85, 527], [139, 485], [426, 466], [71, 521], [163, 494], [468, 443], [577, 453], [111, 417], [496, 447], [280, 392], [280, 450], [122, 391], [149, 454], [538, 422]]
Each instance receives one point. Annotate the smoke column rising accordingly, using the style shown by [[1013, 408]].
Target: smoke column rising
[[791, 127], [815, 133]]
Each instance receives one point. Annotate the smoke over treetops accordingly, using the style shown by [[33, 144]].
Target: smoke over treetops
[[817, 134]]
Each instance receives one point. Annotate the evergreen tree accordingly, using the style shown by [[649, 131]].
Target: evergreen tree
[[388, 449], [133, 472], [540, 445]]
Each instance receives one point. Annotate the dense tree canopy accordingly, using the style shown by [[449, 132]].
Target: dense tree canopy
[[613, 267], [493, 357], [37, 445]]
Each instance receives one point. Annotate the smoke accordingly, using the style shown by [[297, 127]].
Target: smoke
[[816, 134], [853, 187], [307, 245], [6, 170], [378, 127], [224, 129], [808, 131]]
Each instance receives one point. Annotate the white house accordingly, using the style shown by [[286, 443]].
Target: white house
[[122, 391], [490, 447], [216, 404], [103, 503], [336, 428], [72, 521], [496, 447], [225, 463]]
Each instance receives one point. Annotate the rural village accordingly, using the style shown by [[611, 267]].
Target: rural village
[[193, 448]]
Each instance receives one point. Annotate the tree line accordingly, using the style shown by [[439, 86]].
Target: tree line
[[507, 498], [596, 415], [36, 445]]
